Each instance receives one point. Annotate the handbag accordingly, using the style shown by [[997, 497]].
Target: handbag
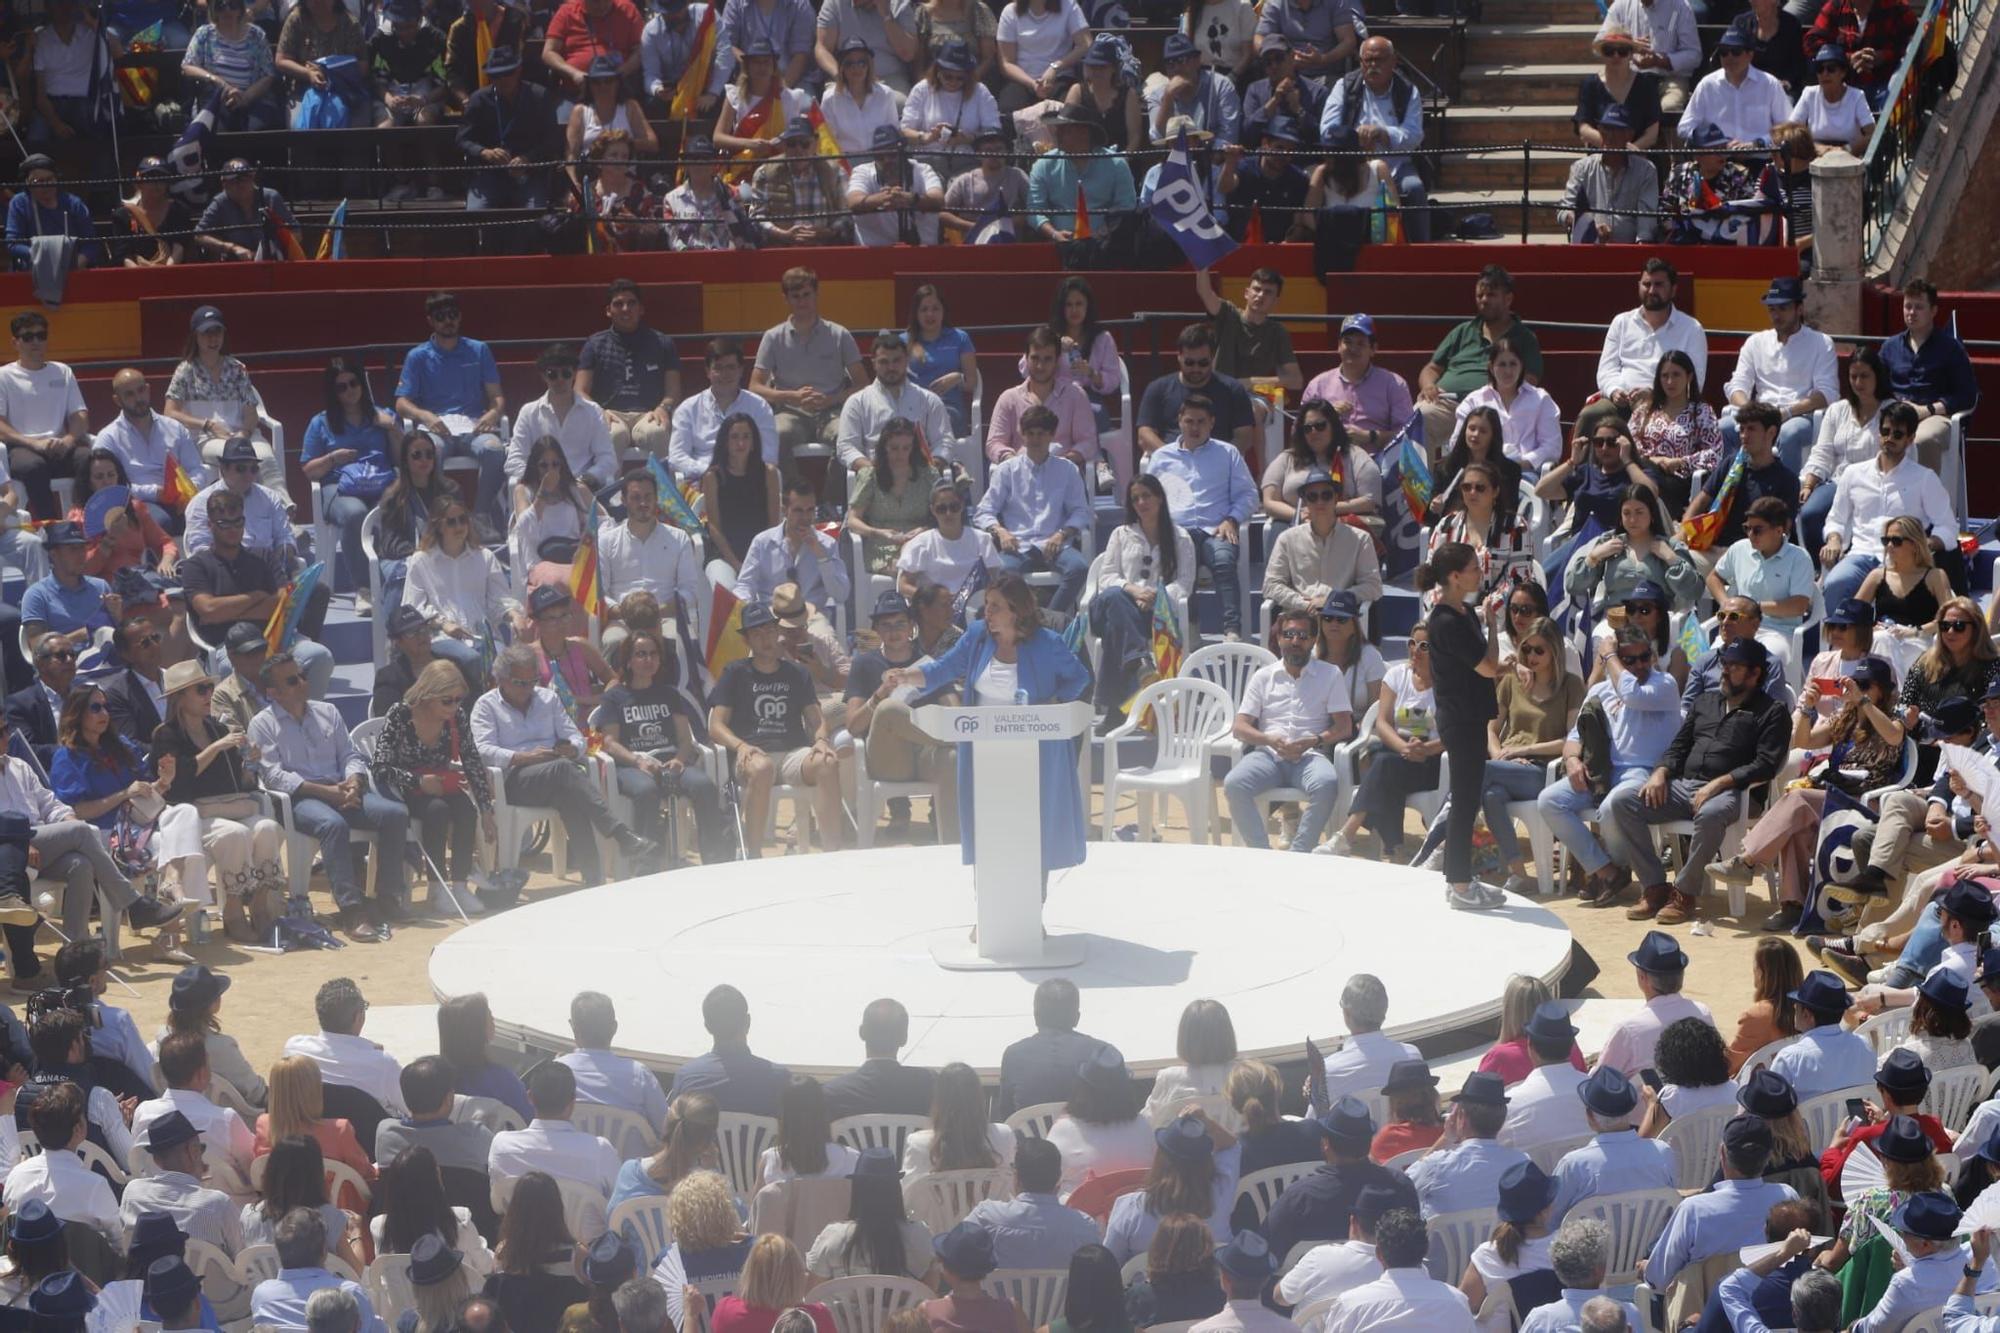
[[557, 550], [365, 479], [452, 775]]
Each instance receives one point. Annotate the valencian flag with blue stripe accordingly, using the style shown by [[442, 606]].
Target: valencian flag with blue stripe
[[1406, 496]]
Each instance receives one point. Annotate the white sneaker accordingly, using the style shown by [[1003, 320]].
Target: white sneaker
[[1435, 861], [1526, 886], [362, 606], [1337, 845]]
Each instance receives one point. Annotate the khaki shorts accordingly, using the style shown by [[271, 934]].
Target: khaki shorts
[[792, 766]]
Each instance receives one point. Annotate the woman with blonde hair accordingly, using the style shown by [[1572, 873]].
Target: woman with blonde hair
[[774, 1280], [1510, 1057], [1267, 1138], [960, 1137], [298, 1107], [687, 1144], [1959, 663], [1907, 589], [426, 758], [459, 584], [1775, 971], [1206, 1045], [439, 1281], [708, 1237]]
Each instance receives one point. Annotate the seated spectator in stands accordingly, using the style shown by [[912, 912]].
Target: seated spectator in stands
[[1665, 44], [570, 418], [759, 93], [465, 1034], [1373, 402], [707, 1236], [644, 554], [1321, 36], [415, 1209], [1203, 166], [1232, 418], [314, 32], [806, 367], [988, 201], [895, 198], [1613, 179], [871, 411], [534, 1280], [1082, 163], [42, 415], [1642, 548], [173, 1186], [621, 207], [1635, 341], [32, 712], [737, 1079], [897, 749], [44, 209], [1516, 1256], [702, 212], [1477, 442], [949, 112], [1661, 969], [1219, 496], [647, 730], [1776, 38], [1771, 575], [245, 219], [346, 450], [1580, 1256], [230, 583], [1739, 101], [508, 123], [882, 1085], [633, 372], [1206, 98], [231, 56], [1074, 432], [688, 1146], [1303, 703], [1274, 188], [1100, 1129], [344, 1057], [1036, 511], [1189, 1174], [54, 1188], [303, 1241], [1873, 38], [1328, 1271], [699, 418], [1404, 721], [1465, 1164], [1837, 116], [1382, 110], [798, 198], [405, 509], [878, 1236], [1907, 590], [1282, 91], [1798, 380], [210, 394], [584, 31], [295, 1176], [559, 514], [1458, 366], [603, 1077], [1179, 1283], [668, 46], [1928, 369], [192, 1005], [804, 1148], [64, 59], [425, 1084], [857, 105], [741, 491], [1322, 555], [1364, 1061], [484, 25], [960, 1137], [1413, 1119], [1868, 495], [1775, 971], [1620, 84], [944, 554], [155, 224], [1251, 347], [1676, 432], [1321, 443], [550, 1142], [1698, 193], [1941, 1022], [267, 528], [1728, 1217], [1322, 1202], [1147, 555], [1033, 1230], [459, 585], [58, 1045], [605, 110], [407, 64], [1546, 1106], [450, 386], [1041, 45], [1530, 426], [1352, 195], [68, 605], [184, 1067], [306, 753], [795, 551], [891, 499], [765, 713], [1785, 186], [140, 440]]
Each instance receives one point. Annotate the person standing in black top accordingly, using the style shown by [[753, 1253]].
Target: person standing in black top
[[1464, 663]]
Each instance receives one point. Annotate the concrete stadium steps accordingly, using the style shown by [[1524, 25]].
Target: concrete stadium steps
[[1499, 169], [1534, 40], [1509, 125], [1508, 82], [1582, 12]]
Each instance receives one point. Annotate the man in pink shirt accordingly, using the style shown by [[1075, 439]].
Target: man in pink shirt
[[1076, 425], [1372, 402]]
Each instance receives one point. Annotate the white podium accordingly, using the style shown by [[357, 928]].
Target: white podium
[[1006, 819]]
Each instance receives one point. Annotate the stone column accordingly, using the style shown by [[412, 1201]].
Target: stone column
[[1833, 293]]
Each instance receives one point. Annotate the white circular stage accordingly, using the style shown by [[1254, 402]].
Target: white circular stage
[[810, 941]]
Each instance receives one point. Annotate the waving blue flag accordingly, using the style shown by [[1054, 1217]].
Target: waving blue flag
[[1180, 206]]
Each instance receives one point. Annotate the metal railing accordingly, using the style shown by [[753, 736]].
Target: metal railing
[[1912, 95]]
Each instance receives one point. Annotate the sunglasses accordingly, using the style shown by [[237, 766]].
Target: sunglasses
[[559, 373], [294, 679], [1636, 660], [1533, 650], [35, 335], [1475, 488], [1419, 646], [1523, 609], [1954, 626], [1295, 634], [948, 509], [1316, 425], [1617, 50], [1888, 540], [96, 706], [1757, 529], [1734, 615], [204, 687], [455, 521], [1318, 497], [342, 386], [1603, 443], [1896, 433], [215, 521], [1204, 364]]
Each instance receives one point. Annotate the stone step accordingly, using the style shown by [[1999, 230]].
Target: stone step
[[1495, 126], [1540, 11], [1500, 170], [1506, 83], [1528, 43]]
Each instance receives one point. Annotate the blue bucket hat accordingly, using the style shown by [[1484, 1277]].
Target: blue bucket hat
[[1821, 992], [1768, 1094], [1608, 1093], [1347, 1123], [1246, 1256], [1929, 1216], [1946, 990], [1658, 952], [1902, 1140], [1903, 1074], [1550, 1024], [1186, 1139], [967, 1250], [1525, 1190]]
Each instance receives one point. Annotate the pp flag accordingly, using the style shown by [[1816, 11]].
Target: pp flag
[[1406, 496], [1832, 904], [188, 158], [1180, 207]]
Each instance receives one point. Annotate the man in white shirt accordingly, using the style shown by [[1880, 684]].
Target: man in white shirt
[[523, 730], [603, 1078], [1292, 710], [175, 1187], [644, 554], [43, 422], [342, 1054], [948, 552], [1791, 365], [1661, 968], [573, 421], [1668, 44], [1245, 1264], [1545, 1107], [795, 552], [1868, 495], [892, 395], [184, 1066], [698, 420], [1337, 1267], [895, 197], [1462, 1170], [550, 1142], [1635, 341], [56, 1176], [1405, 1296], [1364, 1059], [1739, 99], [143, 439]]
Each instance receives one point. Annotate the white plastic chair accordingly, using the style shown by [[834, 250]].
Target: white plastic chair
[[378, 623], [627, 1131], [583, 1206], [1347, 767], [862, 1132], [1229, 665], [941, 1199], [490, 1113], [1954, 1093], [221, 1280], [863, 1304], [1038, 1292], [1263, 1187], [1032, 1122], [513, 820], [1635, 1219], [743, 1138], [1189, 715], [1547, 1155], [1761, 1058], [1696, 1137], [643, 1221], [872, 794], [1882, 1031], [1823, 1115], [389, 1286], [866, 586], [1454, 1236]]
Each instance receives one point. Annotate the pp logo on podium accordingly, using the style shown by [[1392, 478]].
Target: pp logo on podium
[[966, 725]]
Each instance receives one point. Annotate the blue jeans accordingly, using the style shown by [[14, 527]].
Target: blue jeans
[[1795, 437], [1812, 520], [76, 112], [649, 801], [390, 822], [1845, 578], [345, 513], [1069, 566], [1415, 203], [1260, 771], [1563, 806], [1922, 951], [463, 655], [1219, 558], [1506, 781], [394, 572], [1125, 634]]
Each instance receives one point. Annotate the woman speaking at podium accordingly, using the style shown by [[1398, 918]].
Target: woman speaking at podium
[[1008, 658]]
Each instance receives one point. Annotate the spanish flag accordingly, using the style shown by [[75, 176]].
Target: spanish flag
[[282, 238], [824, 143], [766, 120], [175, 487], [693, 79], [1081, 231], [583, 576], [725, 630]]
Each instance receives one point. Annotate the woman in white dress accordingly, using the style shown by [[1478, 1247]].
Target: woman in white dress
[[1519, 1248], [1100, 1129], [960, 1137], [1206, 1045], [805, 1149], [858, 102]]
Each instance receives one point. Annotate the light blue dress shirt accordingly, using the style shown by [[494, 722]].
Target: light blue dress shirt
[[1643, 718], [604, 1079], [1787, 573], [1923, 1285], [1467, 1176], [297, 750], [1405, 131], [144, 449], [1612, 1164], [1960, 1316], [281, 1301], [1032, 500], [1034, 1230], [1566, 1315], [1204, 485], [1826, 1059], [1129, 1231], [1728, 1217], [768, 562], [118, 1035], [500, 731]]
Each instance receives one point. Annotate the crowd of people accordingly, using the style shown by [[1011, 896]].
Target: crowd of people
[[878, 128]]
